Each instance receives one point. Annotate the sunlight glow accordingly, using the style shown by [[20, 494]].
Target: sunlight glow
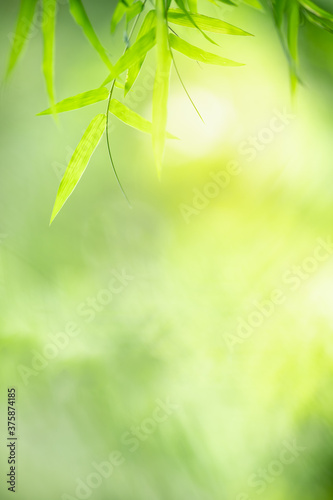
[[198, 138]]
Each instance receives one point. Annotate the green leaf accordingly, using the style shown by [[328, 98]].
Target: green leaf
[[79, 161], [198, 54], [78, 101], [22, 32], [206, 23], [118, 14], [133, 11], [227, 2], [279, 11], [132, 118], [253, 3], [317, 11], [132, 74], [190, 18], [161, 84], [133, 55], [320, 23], [48, 28], [79, 14]]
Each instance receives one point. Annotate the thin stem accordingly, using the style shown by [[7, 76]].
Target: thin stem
[[109, 146], [107, 114], [182, 83]]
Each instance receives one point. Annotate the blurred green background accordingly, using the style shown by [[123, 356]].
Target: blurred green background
[[165, 335]]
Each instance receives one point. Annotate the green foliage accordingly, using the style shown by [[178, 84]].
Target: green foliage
[[204, 23], [288, 15], [132, 119], [48, 28], [79, 161], [79, 14], [155, 29], [22, 32], [78, 101], [198, 54]]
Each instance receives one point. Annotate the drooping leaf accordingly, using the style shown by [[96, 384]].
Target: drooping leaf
[[132, 74], [198, 54], [206, 23], [319, 22], [133, 11], [190, 18], [48, 28], [79, 14], [280, 8], [161, 84], [132, 118], [133, 55], [118, 14], [253, 3], [78, 101], [316, 10], [79, 161], [227, 2], [22, 32]]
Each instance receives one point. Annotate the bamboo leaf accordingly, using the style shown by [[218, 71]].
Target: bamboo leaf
[[317, 21], [228, 2], [198, 54], [132, 74], [161, 84], [206, 23], [118, 14], [253, 3], [48, 28], [79, 14], [79, 161], [133, 55], [316, 10], [279, 11], [78, 101], [190, 18], [132, 119], [133, 11], [22, 32]]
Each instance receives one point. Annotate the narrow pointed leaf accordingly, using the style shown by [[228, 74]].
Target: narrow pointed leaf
[[315, 9], [22, 32], [279, 11], [227, 2], [161, 84], [78, 101], [48, 28], [198, 54], [134, 10], [206, 23], [133, 55], [319, 22], [132, 74], [190, 18], [118, 14], [79, 161], [79, 14], [253, 3], [132, 119]]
